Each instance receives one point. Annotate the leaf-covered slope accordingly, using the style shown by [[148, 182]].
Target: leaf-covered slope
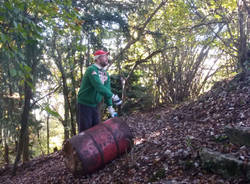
[[167, 143]]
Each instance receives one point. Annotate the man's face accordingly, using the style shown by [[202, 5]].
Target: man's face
[[103, 60]]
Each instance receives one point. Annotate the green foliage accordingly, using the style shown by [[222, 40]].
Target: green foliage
[[189, 142], [52, 112], [21, 48], [220, 138], [137, 97], [116, 85]]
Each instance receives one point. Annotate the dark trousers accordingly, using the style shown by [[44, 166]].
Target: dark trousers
[[87, 117]]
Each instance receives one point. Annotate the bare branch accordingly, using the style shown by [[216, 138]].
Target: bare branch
[[246, 5], [55, 89], [140, 32]]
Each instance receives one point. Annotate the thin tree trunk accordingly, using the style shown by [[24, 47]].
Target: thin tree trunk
[[31, 56], [100, 108], [6, 153], [66, 130], [48, 134], [39, 142], [1, 135], [73, 105], [242, 51], [26, 147], [72, 119], [24, 124], [66, 114], [65, 95]]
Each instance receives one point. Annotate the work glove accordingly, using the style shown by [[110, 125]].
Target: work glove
[[112, 111], [116, 100]]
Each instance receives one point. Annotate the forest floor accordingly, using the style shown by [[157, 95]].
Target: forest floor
[[167, 143]]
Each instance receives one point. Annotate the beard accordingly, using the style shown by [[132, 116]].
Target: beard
[[103, 63]]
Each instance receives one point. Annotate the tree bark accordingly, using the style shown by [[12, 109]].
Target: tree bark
[[73, 105], [6, 153], [48, 134], [24, 124], [66, 100], [59, 64], [242, 50], [31, 59], [26, 147]]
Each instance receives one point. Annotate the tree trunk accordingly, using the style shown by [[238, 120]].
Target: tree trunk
[[1, 126], [24, 124], [65, 95], [66, 119], [26, 147], [72, 120], [66, 130], [6, 153], [48, 134], [31, 57], [70, 124], [73, 105], [100, 110], [242, 50]]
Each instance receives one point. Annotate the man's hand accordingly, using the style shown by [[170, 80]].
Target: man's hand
[[116, 100], [112, 111]]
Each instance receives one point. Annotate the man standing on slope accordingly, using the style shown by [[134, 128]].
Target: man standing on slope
[[94, 86]]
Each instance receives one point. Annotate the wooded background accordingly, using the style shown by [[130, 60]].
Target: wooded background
[[162, 52]]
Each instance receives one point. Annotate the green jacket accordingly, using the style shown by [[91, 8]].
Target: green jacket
[[94, 86]]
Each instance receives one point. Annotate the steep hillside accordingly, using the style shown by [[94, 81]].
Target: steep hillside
[[167, 143]]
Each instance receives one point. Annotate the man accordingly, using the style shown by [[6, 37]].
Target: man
[[95, 86]]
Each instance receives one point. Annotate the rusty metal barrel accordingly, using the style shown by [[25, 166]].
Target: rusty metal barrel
[[93, 148]]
